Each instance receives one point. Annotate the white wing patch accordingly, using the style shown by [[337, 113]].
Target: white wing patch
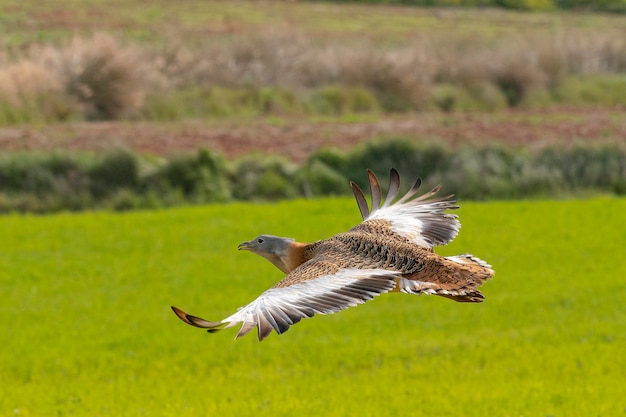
[[424, 223], [279, 308], [420, 219]]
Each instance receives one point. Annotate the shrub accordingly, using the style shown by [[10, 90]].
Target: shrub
[[94, 77], [448, 97], [117, 169], [526, 4], [380, 156], [104, 77], [124, 199], [315, 178], [339, 99], [257, 178], [201, 177], [587, 167], [41, 174], [168, 106], [277, 101], [617, 6], [393, 77], [605, 90]]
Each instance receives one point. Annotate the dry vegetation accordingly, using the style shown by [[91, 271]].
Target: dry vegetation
[[296, 72]]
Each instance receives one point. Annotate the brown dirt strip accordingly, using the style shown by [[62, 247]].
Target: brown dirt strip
[[296, 140]]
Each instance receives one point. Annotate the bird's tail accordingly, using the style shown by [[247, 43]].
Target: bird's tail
[[473, 272], [458, 280], [476, 267]]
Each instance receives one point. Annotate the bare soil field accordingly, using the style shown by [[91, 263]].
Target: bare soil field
[[297, 139]]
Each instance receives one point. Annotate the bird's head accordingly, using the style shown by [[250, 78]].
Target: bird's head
[[268, 246]]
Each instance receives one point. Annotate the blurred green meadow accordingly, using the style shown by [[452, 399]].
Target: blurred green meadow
[[87, 329]]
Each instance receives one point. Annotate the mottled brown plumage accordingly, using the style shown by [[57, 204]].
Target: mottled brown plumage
[[390, 251]]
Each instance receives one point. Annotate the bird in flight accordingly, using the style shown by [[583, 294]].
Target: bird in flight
[[391, 250]]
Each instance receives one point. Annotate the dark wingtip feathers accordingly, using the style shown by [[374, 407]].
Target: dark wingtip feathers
[[245, 329], [360, 200], [374, 189], [392, 193], [213, 326], [394, 187], [416, 186], [181, 315]]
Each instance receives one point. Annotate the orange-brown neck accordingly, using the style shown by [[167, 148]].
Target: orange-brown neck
[[288, 258], [295, 256]]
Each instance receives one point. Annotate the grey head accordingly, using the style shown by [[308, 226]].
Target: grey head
[[267, 244], [273, 248]]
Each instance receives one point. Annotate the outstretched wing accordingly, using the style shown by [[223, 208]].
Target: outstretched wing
[[315, 287], [420, 219]]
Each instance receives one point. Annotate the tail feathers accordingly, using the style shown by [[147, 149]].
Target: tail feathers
[[467, 296], [472, 261], [462, 295], [460, 283]]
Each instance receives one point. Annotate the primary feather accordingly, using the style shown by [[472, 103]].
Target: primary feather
[[390, 251]]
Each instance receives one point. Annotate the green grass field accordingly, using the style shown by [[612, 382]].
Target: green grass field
[[87, 329]]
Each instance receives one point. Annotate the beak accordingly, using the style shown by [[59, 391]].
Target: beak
[[244, 246]]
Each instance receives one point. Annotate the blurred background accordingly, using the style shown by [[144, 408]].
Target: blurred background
[[134, 104]]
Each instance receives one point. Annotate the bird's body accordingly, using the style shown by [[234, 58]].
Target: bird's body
[[390, 251], [371, 251]]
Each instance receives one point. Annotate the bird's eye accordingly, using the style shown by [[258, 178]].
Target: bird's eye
[[259, 240]]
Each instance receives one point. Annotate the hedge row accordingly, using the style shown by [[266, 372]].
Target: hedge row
[[611, 6], [122, 180]]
